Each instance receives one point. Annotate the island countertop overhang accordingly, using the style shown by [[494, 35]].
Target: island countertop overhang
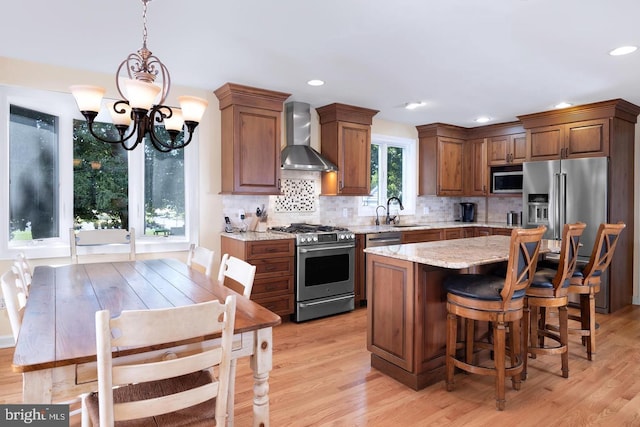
[[457, 253]]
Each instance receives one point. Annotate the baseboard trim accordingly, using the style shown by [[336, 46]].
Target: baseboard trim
[[636, 300]]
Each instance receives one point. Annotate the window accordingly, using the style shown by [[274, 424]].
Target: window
[[59, 177], [33, 156], [393, 174]]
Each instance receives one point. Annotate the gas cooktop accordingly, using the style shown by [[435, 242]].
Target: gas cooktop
[[313, 234], [308, 228]]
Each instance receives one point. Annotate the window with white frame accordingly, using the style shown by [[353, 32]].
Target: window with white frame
[[393, 174], [59, 176]]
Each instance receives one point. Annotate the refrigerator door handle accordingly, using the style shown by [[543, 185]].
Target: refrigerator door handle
[[562, 196], [557, 208]]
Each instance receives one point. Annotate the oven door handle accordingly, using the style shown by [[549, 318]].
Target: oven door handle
[[324, 301], [305, 250]]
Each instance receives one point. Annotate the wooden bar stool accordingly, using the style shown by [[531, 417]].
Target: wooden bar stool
[[549, 289], [500, 301], [586, 283]]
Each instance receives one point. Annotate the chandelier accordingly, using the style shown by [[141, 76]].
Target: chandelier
[[136, 114]]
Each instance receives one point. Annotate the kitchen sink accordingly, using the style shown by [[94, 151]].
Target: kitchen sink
[[406, 225]]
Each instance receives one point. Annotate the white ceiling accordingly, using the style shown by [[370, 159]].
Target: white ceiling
[[464, 58]]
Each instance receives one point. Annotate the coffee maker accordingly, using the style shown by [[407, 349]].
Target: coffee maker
[[467, 212]]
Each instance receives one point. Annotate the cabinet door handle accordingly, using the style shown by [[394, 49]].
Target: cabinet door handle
[[279, 184], [340, 186]]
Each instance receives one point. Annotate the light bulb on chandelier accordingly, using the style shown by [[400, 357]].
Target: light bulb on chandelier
[[138, 106]]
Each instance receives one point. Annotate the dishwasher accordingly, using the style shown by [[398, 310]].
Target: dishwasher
[[383, 239], [379, 239]]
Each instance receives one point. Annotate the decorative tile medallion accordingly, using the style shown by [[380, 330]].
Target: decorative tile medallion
[[298, 195]]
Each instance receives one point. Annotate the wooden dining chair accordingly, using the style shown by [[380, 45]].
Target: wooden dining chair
[[549, 290], [14, 299], [586, 282], [102, 243], [201, 259], [499, 301], [236, 274], [185, 390], [25, 272]]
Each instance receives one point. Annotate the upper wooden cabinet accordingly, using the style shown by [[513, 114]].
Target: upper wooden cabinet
[[441, 157], [573, 140], [345, 139], [250, 127], [581, 131], [507, 149], [475, 172]]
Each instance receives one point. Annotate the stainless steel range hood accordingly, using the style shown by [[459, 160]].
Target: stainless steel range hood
[[298, 154]]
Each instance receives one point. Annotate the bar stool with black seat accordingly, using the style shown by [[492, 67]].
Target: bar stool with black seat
[[586, 283], [549, 290], [500, 301]]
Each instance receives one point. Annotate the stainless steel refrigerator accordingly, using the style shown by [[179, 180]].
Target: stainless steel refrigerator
[[558, 192]]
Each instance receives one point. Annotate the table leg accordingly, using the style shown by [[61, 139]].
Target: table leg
[[37, 386], [261, 363]]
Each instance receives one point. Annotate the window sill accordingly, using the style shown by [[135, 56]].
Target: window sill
[[50, 249]]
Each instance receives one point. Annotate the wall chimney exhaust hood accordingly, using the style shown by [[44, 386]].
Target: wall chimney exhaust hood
[[298, 154]]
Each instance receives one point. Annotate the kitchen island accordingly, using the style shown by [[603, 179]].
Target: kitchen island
[[406, 302]]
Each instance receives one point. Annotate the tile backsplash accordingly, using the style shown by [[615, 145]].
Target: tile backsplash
[[301, 202]]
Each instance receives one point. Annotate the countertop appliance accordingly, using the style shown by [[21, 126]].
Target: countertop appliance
[[557, 192], [324, 270], [467, 212]]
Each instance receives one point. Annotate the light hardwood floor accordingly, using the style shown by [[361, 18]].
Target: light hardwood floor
[[322, 377]]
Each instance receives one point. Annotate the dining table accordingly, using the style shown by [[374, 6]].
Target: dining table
[[56, 349]]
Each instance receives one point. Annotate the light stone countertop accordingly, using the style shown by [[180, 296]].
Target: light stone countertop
[[249, 236], [383, 228], [457, 253], [252, 236]]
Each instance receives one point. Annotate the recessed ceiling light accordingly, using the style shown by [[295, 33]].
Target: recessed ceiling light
[[623, 50], [315, 82], [482, 119], [563, 105], [414, 105]]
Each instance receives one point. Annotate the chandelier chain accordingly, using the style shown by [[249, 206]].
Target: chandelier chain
[[144, 22]]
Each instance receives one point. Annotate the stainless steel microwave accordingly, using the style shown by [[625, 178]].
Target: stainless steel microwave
[[506, 182]]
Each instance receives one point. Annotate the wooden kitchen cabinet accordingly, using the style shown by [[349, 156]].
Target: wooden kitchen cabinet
[[476, 171], [273, 285], [588, 138], [441, 160], [345, 139], [250, 145], [417, 236], [453, 233], [481, 231], [507, 149]]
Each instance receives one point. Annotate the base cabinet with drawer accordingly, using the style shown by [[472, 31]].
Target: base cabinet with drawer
[[273, 286]]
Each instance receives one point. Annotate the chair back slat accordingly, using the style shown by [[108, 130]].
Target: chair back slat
[[101, 238], [568, 256], [603, 249], [201, 259], [523, 259], [14, 299], [234, 271]]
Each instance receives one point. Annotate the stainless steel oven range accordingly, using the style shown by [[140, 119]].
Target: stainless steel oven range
[[325, 269]]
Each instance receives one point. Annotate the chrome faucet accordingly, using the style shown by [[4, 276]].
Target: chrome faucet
[[389, 218], [377, 217]]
